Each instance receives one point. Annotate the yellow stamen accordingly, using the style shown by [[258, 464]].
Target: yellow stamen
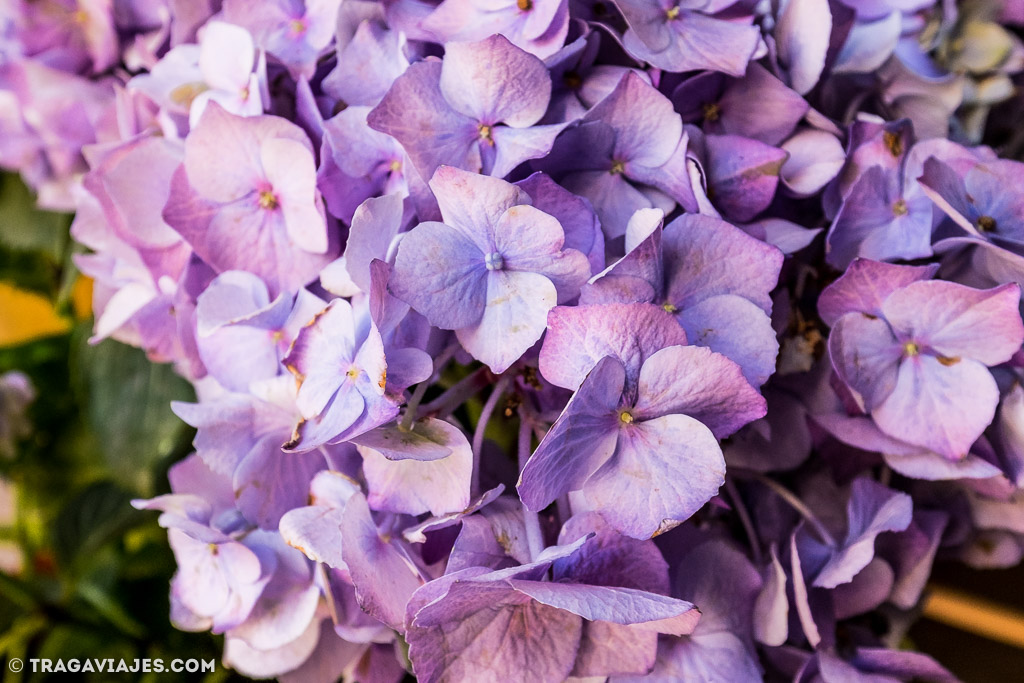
[[626, 417], [672, 14], [618, 168], [986, 224], [485, 134], [899, 207], [712, 111], [893, 143], [669, 306], [267, 200], [911, 349]]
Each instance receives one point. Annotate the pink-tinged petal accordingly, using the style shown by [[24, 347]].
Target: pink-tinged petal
[[615, 605], [413, 486], [815, 158], [612, 195], [647, 19], [384, 578], [257, 663], [450, 298], [132, 186], [514, 318], [700, 383], [941, 407], [742, 174], [233, 296], [367, 65], [958, 321], [865, 286], [493, 81], [607, 648], [332, 657], [315, 531], [663, 470], [579, 442], [575, 214], [268, 482], [876, 222], [867, 591], [530, 240], [705, 256], [341, 413], [226, 56], [771, 608], [474, 203], [866, 356], [291, 172], [869, 44], [945, 187], [802, 37], [327, 341], [484, 630], [580, 336], [699, 42], [416, 114], [647, 129], [609, 558], [222, 161], [737, 329], [759, 106], [417, 533], [800, 597], [934, 467], [285, 608], [717, 656], [513, 146], [375, 224]]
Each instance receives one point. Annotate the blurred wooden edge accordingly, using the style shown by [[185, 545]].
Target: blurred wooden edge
[[975, 615]]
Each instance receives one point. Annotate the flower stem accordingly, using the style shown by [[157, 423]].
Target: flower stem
[[481, 427], [534, 535]]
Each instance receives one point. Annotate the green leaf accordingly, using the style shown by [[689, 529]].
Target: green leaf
[[127, 399], [23, 227], [108, 608], [88, 521]]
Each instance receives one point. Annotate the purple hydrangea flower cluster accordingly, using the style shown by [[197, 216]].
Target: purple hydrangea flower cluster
[[554, 340]]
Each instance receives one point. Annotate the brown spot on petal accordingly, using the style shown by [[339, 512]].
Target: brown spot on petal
[[948, 360]]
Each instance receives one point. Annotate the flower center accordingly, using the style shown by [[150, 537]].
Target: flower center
[[670, 307], [296, 27], [899, 207], [268, 201], [712, 111], [618, 168], [485, 134], [911, 349], [572, 80], [986, 224], [626, 417], [893, 143], [672, 13], [395, 166], [494, 261]]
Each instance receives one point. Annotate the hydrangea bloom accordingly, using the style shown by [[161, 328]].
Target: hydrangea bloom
[[480, 296]]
